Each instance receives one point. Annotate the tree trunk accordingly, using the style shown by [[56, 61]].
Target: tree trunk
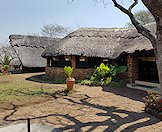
[[159, 50], [155, 7]]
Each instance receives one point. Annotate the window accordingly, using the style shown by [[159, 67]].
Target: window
[[55, 59], [83, 58], [67, 58], [105, 60]]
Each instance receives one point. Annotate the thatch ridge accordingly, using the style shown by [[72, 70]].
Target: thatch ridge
[[32, 41]]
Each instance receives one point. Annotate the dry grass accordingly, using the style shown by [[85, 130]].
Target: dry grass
[[16, 89]]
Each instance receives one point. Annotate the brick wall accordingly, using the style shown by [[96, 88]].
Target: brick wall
[[78, 73], [132, 63]]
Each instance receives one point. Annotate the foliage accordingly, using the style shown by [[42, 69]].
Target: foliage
[[90, 83], [143, 16], [108, 80], [104, 74], [68, 70], [86, 82], [5, 67], [153, 101], [115, 70], [100, 72], [15, 88], [117, 84], [6, 60], [54, 30]]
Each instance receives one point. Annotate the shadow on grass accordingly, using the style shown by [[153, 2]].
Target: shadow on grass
[[134, 120], [42, 78]]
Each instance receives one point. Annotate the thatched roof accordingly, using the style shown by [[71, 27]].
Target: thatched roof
[[30, 48], [101, 42], [9, 52]]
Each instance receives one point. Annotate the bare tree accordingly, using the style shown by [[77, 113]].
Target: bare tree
[[155, 7], [143, 16], [55, 30]]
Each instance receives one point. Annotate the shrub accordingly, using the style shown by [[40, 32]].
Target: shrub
[[6, 60], [106, 74], [86, 82], [117, 84], [153, 101], [91, 83]]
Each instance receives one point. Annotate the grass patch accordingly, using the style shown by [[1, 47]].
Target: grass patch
[[48, 79], [14, 88]]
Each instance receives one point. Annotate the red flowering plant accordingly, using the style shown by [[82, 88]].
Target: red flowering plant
[[153, 101]]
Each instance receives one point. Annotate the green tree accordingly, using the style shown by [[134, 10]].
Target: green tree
[[143, 16], [55, 30]]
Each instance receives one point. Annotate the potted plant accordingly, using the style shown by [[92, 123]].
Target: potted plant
[[5, 63], [70, 81], [5, 69]]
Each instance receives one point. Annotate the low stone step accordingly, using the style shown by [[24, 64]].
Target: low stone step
[[143, 88], [144, 83]]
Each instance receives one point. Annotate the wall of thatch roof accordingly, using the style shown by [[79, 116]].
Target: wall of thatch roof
[[30, 48], [101, 42]]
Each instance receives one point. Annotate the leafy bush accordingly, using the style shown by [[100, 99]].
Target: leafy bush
[[115, 70], [86, 82], [91, 83], [116, 84], [107, 75], [68, 70]]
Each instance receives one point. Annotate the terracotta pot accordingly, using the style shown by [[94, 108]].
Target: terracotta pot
[[5, 71], [70, 83]]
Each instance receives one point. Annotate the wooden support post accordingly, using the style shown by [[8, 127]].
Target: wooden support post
[[73, 61], [48, 62], [133, 68]]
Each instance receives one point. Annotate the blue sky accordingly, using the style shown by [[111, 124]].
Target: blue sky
[[28, 16]]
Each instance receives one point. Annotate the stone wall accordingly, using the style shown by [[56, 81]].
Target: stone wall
[[78, 73]]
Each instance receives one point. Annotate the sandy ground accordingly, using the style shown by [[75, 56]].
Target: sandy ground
[[86, 109]]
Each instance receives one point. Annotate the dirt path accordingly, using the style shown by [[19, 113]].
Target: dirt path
[[88, 109]]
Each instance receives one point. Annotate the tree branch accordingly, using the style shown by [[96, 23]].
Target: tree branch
[[141, 29], [133, 5], [154, 6]]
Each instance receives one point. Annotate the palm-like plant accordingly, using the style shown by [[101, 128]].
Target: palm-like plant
[[5, 61]]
